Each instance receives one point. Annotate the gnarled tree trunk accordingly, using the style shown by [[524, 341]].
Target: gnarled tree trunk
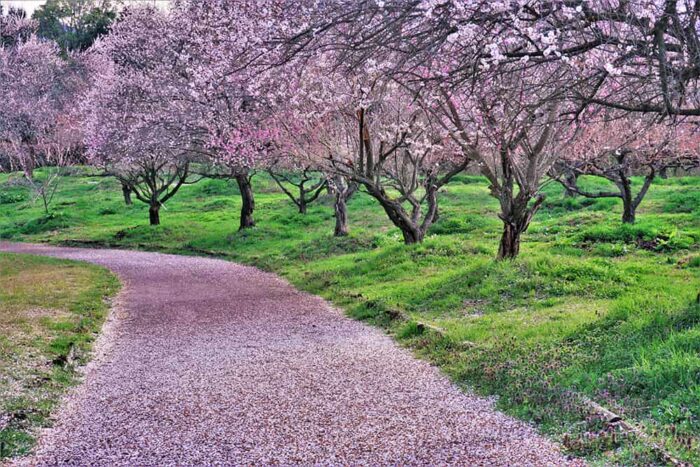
[[571, 185], [628, 207], [411, 233], [154, 214], [412, 229], [341, 215], [155, 186], [629, 215], [620, 174], [516, 214], [342, 191], [247, 201], [306, 194], [509, 247], [126, 192]]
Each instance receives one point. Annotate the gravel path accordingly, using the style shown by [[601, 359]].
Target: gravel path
[[206, 362]]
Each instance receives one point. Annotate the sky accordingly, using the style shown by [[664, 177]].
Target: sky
[[31, 5]]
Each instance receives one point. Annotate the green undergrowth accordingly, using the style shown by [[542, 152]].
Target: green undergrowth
[[50, 313], [591, 308]]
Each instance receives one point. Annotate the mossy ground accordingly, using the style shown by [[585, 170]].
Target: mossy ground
[[591, 307]]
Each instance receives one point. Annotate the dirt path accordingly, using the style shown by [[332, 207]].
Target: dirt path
[[209, 362]]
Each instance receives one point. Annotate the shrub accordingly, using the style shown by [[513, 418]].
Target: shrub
[[647, 236], [216, 187], [47, 223], [11, 197]]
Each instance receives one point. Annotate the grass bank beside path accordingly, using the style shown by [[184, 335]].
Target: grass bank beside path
[[591, 308], [50, 313]]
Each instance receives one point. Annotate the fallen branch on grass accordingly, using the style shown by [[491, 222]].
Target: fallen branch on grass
[[613, 418]]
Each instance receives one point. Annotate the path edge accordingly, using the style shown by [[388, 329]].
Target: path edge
[[100, 352]]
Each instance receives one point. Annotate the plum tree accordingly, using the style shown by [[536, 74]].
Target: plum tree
[[39, 124], [132, 128], [616, 148], [371, 132]]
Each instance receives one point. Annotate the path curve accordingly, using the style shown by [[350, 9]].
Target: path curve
[[207, 362]]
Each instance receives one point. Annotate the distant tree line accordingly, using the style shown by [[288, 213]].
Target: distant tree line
[[73, 24]]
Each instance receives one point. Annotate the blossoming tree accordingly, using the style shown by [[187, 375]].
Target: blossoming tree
[[133, 127], [370, 131], [507, 80], [616, 148], [33, 83], [224, 89], [39, 124]]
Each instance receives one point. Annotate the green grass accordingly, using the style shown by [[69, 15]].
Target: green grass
[[50, 313], [591, 307]]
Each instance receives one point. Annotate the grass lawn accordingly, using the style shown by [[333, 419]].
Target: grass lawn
[[50, 313], [592, 307]]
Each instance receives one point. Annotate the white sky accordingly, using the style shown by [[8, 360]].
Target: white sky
[[30, 5]]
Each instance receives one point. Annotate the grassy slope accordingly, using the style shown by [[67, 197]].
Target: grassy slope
[[590, 306], [50, 312]]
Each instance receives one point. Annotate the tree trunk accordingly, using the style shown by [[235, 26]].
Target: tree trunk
[[248, 202], [28, 165], [510, 242], [411, 232], [628, 211], [126, 191], [571, 184], [411, 236], [154, 214], [302, 206], [341, 216], [516, 217], [628, 208]]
